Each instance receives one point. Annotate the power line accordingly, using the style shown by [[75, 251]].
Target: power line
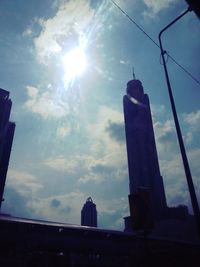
[[184, 69], [139, 27], [151, 39]]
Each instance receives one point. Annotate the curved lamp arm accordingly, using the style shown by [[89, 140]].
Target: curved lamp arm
[[193, 197]]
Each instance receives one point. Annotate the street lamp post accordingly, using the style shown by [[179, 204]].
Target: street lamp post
[[193, 197]]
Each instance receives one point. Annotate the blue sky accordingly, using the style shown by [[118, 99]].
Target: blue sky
[[69, 140]]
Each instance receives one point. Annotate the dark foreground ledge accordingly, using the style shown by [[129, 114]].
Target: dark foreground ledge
[[29, 243]]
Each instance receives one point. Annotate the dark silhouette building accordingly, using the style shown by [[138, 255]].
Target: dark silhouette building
[[145, 181], [147, 201], [7, 130], [89, 213]]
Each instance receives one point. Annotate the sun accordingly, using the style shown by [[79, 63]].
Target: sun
[[74, 63]]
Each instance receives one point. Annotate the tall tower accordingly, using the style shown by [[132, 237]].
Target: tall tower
[[7, 129], [143, 163], [89, 213]]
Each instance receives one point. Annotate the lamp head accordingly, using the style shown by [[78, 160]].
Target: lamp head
[[195, 6]]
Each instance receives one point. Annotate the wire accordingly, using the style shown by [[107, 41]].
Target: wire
[[184, 69], [151, 39], [139, 27]]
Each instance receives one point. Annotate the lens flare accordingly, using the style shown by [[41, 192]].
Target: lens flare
[[74, 63]]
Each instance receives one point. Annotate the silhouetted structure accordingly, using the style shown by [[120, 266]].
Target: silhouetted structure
[[33, 243], [7, 130], [147, 201], [89, 213], [145, 182]]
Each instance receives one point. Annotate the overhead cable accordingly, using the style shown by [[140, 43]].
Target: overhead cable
[[151, 39]]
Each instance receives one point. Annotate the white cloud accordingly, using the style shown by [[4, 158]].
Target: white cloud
[[193, 118], [175, 179], [104, 115], [113, 174], [155, 6], [62, 164], [63, 131], [23, 181], [106, 152], [192, 123], [165, 136], [68, 210], [103, 153], [28, 31], [92, 177], [71, 26], [108, 148], [64, 29], [189, 138], [100, 170], [46, 104], [172, 168], [105, 74], [89, 168], [194, 156], [165, 132], [158, 110], [111, 212]]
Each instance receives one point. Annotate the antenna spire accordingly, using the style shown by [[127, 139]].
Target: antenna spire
[[133, 73]]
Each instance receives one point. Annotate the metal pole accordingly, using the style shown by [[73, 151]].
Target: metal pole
[[193, 197]]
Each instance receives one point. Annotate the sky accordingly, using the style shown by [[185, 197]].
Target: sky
[[66, 65]]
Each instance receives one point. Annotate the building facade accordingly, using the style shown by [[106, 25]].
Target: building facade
[[7, 130], [89, 213], [145, 181]]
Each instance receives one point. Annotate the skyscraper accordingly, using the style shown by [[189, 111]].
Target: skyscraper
[[89, 213], [7, 129], [143, 166]]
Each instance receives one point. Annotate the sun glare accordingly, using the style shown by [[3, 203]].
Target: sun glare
[[74, 63]]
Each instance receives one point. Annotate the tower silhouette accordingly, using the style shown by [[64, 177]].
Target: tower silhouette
[[7, 130], [143, 166], [89, 213]]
